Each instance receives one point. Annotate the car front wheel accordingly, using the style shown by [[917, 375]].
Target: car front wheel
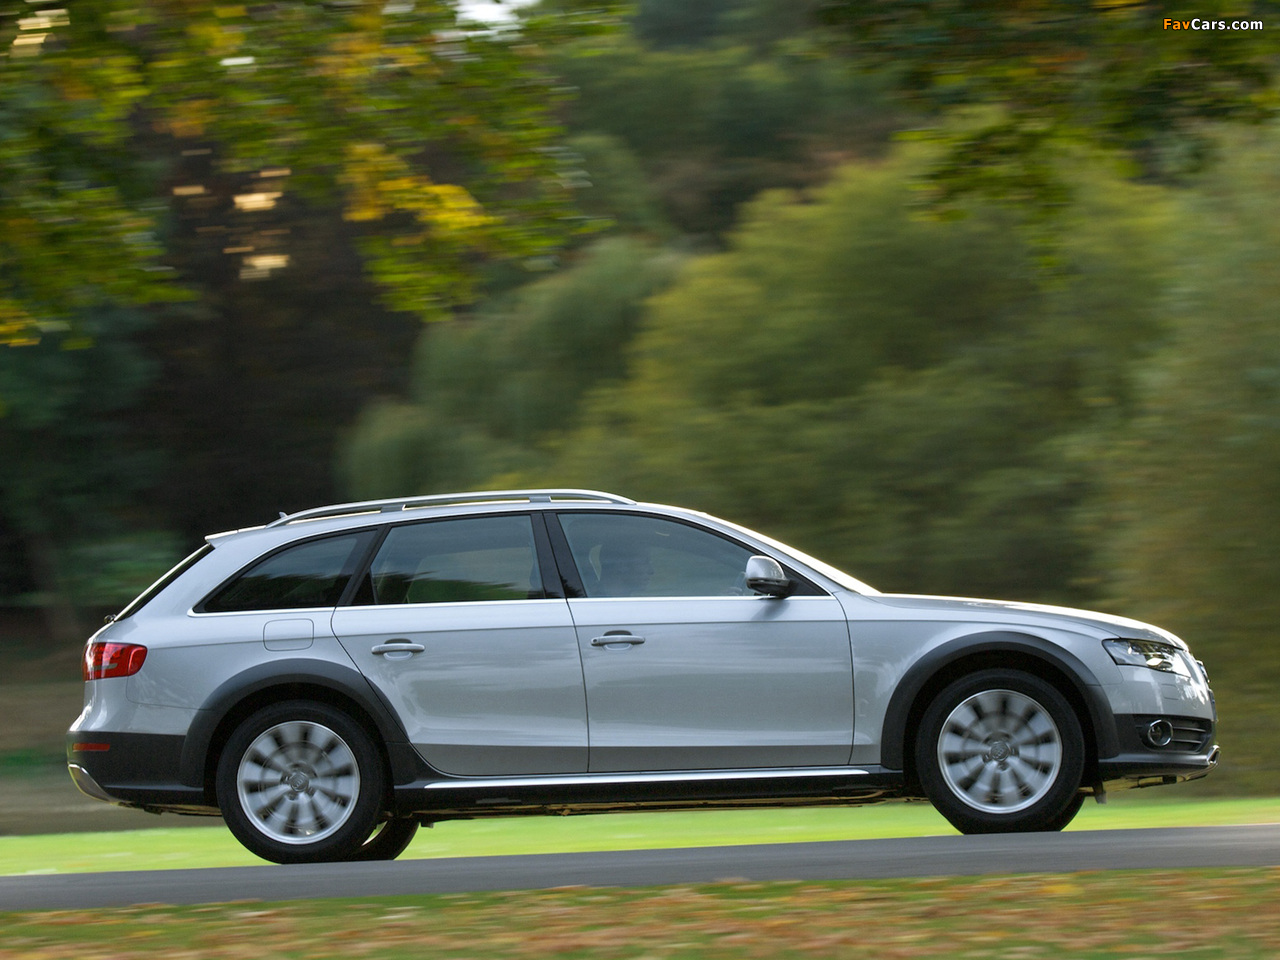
[[301, 782], [1001, 751]]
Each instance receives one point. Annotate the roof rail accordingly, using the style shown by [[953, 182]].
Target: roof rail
[[445, 499]]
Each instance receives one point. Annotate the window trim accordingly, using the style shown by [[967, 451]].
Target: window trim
[[543, 553], [153, 591]]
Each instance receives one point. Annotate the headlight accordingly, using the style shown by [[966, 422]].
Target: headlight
[[1148, 653]]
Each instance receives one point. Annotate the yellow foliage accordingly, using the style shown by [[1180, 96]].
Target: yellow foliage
[[17, 327], [218, 41], [381, 183], [191, 119]]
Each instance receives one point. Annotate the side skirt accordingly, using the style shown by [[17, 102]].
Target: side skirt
[[471, 797]]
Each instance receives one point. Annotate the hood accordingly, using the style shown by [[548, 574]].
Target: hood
[[1013, 612]]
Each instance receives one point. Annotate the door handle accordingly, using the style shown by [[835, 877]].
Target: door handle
[[399, 646], [611, 638]]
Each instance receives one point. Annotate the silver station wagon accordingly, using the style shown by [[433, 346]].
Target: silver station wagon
[[331, 681]]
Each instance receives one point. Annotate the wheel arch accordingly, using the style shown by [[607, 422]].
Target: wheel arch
[[926, 678], [315, 680]]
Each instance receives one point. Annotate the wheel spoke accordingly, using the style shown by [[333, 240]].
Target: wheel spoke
[[262, 768], [1037, 765], [264, 801], [341, 793], [994, 794]]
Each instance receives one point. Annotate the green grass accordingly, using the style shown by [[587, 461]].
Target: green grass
[[213, 846], [1120, 915]]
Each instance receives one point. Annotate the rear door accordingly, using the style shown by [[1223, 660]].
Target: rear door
[[454, 626]]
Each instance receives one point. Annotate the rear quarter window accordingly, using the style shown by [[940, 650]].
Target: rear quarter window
[[309, 574], [154, 590]]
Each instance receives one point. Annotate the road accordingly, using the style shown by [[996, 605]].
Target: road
[[839, 860]]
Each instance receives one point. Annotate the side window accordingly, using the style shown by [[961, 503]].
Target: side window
[[310, 574], [626, 555], [445, 561]]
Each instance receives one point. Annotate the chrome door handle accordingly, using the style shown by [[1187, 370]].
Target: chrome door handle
[[399, 646], [610, 638]]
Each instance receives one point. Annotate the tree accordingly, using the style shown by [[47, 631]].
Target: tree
[[435, 143], [440, 141], [1140, 77], [897, 394], [490, 391], [67, 466], [720, 101], [1194, 480]]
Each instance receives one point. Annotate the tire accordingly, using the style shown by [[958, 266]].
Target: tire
[[388, 841], [301, 782], [1001, 751]]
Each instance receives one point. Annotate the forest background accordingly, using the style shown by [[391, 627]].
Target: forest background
[[965, 298]]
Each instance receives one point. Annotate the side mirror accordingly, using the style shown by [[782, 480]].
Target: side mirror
[[764, 575]]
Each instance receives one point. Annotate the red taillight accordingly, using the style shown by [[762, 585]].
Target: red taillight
[[103, 660]]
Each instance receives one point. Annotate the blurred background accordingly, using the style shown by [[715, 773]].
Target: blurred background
[[963, 297]]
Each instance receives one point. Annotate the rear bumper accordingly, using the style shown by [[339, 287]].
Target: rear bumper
[[133, 770]]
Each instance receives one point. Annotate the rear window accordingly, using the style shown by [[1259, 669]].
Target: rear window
[[150, 593], [310, 574]]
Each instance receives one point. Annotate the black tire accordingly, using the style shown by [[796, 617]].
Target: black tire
[[301, 782], [1001, 751], [388, 841]]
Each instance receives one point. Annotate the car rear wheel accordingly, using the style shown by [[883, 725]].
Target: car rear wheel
[[1001, 751], [389, 840], [301, 782]]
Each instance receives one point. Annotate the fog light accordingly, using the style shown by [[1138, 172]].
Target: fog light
[[1159, 733]]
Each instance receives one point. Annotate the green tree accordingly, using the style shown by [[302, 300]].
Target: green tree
[[897, 394], [1133, 76], [743, 109], [439, 141], [491, 391], [1194, 510], [67, 465], [434, 146]]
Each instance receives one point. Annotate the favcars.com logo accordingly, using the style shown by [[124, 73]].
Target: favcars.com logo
[[1198, 24]]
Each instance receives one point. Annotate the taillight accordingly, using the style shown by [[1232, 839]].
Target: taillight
[[103, 660]]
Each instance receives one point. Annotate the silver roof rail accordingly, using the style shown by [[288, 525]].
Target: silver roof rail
[[446, 499]]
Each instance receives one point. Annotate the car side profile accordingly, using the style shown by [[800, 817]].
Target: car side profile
[[331, 681]]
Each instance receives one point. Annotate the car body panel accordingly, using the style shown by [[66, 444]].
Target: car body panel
[[496, 690], [207, 649], [718, 682]]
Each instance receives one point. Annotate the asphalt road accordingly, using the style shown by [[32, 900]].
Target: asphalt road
[[840, 860]]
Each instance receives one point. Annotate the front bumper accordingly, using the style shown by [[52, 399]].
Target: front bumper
[[1143, 761]]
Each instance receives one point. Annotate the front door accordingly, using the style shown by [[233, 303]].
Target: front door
[[686, 669]]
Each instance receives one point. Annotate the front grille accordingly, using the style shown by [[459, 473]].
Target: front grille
[[1190, 734]]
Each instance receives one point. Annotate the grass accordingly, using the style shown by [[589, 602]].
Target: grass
[[213, 846], [1129, 915]]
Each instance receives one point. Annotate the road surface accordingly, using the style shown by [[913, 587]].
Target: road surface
[[1167, 848]]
